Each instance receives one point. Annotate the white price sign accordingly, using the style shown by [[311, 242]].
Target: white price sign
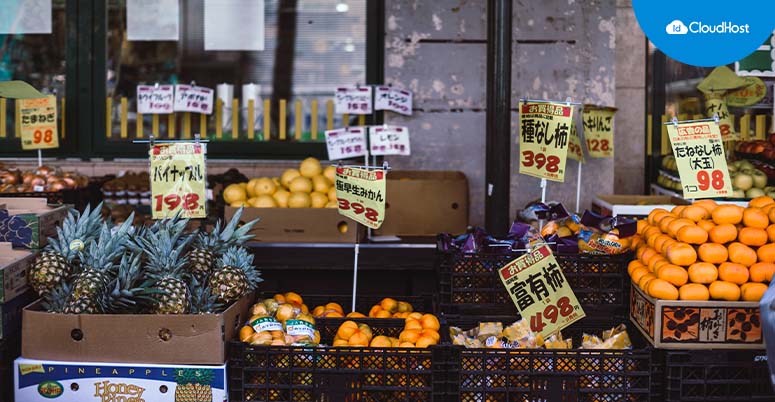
[[396, 100], [152, 99], [189, 98], [389, 140], [353, 100], [345, 143]]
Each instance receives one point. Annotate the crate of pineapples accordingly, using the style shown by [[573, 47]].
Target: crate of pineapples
[[139, 294]]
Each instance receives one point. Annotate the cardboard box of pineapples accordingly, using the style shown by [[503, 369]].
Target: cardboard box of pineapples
[[139, 294], [298, 206]]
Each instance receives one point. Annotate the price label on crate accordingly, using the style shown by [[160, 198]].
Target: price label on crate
[[178, 180], [540, 291], [389, 140], [699, 155], [395, 100], [152, 99], [353, 100], [189, 98], [345, 143], [599, 131], [543, 139], [574, 145], [361, 195], [38, 123]]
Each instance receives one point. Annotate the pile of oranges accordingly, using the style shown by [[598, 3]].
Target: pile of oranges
[[420, 331], [706, 251], [386, 308]]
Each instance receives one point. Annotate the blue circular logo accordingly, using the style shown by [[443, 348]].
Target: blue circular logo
[[706, 33]]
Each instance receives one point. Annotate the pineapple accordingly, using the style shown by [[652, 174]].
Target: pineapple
[[236, 277], [98, 261], [55, 264], [193, 385], [207, 246], [56, 300], [203, 301]]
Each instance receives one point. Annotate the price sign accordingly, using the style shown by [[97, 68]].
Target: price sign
[[717, 105], [389, 140], [699, 155], [538, 288], [353, 100], [599, 131], [361, 195], [153, 99], [543, 139], [346, 143], [178, 180], [396, 100], [38, 123], [574, 145], [189, 98]]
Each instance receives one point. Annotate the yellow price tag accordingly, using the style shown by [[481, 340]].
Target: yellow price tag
[[699, 154], [543, 139], [38, 123], [178, 180], [574, 146], [540, 291], [361, 195], [599, 131]]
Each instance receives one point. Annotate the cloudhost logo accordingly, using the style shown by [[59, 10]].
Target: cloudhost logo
[[677, 27]]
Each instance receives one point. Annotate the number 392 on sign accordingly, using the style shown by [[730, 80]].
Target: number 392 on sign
[[544, 131]]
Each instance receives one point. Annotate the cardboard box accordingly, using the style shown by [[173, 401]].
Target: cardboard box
[[633, 206], [13, 271], [29, 222], [132, 338], [298, 225], [425, 203], [688, 324], [43, 380]]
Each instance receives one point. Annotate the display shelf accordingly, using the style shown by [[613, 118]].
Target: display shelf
[[659, 190]]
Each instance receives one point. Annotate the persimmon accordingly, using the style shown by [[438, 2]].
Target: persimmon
[[771, 233], [766, 253], [681, 254], [761, 201], [723, 233], [752, 291], [692, 234], [638, 273], [712, 253], [695, 213], [734, 273], [721, 290], [751, 236], [761, 271], [654, 213], [644, 281], [662, 289], [742, 254], [702, 272], [673, 273], [665, 222], [755, 218], [693, 291], [674, 226], [641, 226], [677, 210], [634, 264], [708, 205], [706, 224], [727, 214]]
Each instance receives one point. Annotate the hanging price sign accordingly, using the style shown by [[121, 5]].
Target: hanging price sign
[[395, 100], [361, 195], [155, 99], [389, 140], [574, 145], [599, 130], [344, 143], [189, 98], [38, 122], [699, 154], [353, 100], [178, 180], [543, 139], [540, 291]]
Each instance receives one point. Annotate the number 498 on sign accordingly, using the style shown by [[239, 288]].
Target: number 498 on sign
[[553, 312]]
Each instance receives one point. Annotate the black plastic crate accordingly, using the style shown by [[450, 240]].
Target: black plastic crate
[[280, 373], [714, 375], [468, 284], [550, 375]]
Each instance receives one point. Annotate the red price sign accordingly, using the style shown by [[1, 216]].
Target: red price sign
[[38, 123], [188, 202], [551, 314]]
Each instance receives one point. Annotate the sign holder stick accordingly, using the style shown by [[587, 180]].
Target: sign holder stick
[[40, 157], [578, 189]]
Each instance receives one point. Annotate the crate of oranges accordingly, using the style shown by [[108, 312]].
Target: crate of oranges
[[699, 273]]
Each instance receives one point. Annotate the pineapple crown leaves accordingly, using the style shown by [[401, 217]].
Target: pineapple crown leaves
[[128, 291], [165, 250], [76, 226], [102, 253], [220, 239], [194, 376], [239, 257], [203, 301], [56, 300]]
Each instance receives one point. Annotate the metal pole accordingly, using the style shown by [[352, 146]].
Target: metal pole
[[498, 141]]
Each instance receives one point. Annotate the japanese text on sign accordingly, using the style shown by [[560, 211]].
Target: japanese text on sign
[[178, 180], [389, 140], [361, 195], [153, 99], [353, 100], [599, 131], [346, 143], [540, 291], [699, 154], [543, 139], [38, 123], [726, 127], [574, 145], [396, 100], [193, 99]]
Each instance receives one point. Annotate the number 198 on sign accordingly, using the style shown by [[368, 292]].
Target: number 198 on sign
[[188, 202]]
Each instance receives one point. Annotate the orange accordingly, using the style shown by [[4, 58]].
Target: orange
[[752, 236], [429, 321], [412, 324], [654, 213], [279, 298], [346, 330], [380, 341], [642, 225], [731, 272], [355, 314], [374, 310], [674, 274], [727, 214], [638, 273], [425, 341], [332, 314], [406, 345], [753, 291], [695, 213], [304, 309], [318, 311], [245, 333], [742, 254], [334, 306], [692, 234], [394, 342], [766, 253], [723, 233], [661, 289], [431, 333], [708, 205], [383, 314], [761, 271], [634, 264], [713, 253], [359, 338], [414, 315], [721, 290], [761, 201], [693, 291], [681, 254], [703, 272], [771, 233], [706, 225], [755, 218], [644, 281], [389, 304], [409, 335], [340, 342], [674, 226], [771, 215], [405, 307], [294, 298], [665, 221]]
